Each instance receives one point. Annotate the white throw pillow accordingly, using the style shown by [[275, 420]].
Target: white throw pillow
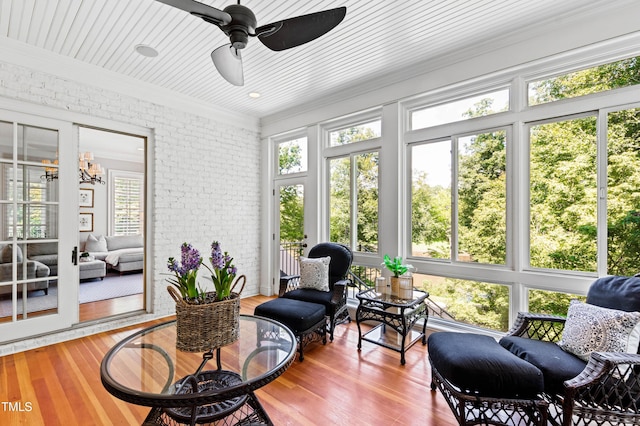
[[314, 273], [96, 244], [591, 328]]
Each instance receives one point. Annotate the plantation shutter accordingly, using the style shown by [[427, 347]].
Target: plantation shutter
[[128, 206]]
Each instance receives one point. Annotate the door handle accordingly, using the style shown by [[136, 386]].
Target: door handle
[[74, 255]]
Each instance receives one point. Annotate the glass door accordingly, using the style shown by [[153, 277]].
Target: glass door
[[290, 227], [36, 269]]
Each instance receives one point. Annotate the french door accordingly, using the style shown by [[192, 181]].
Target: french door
[[38, 225]]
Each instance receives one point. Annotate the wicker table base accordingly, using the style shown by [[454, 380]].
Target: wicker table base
[[249, 413]]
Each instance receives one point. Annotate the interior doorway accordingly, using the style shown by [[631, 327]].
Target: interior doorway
[[111, 242]]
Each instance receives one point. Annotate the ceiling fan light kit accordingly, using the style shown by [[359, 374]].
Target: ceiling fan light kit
[[228, 62], [239, 23]]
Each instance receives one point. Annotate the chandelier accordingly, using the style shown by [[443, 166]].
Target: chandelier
[[90, 172], [50, 173]]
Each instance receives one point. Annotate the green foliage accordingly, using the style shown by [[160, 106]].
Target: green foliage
[[291, 213], [477, 303], [563, 198], [289, 158], [597, 79]]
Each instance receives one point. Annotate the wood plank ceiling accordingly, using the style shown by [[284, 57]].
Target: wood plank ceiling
[[377, 38]]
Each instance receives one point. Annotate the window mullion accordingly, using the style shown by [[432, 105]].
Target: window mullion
[[454, 199], [353, 178], [601, 205]]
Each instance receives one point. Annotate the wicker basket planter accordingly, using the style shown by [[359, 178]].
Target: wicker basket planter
[[210, 325]]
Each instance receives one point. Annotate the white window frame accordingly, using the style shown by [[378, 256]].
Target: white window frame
[[350, 150]]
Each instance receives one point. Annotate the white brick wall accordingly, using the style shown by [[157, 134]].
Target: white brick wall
[[205, 178]]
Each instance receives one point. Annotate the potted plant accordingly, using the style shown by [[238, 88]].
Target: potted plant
[[186, 274], [222, 271], [397, 268], [205, 320]]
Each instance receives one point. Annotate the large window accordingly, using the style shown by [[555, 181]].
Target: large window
[[353, 160], [515, 192], [479, 234], [570, 189]]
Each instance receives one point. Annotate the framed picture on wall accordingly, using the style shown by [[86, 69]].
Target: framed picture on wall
[[86, 222], [86, 197]]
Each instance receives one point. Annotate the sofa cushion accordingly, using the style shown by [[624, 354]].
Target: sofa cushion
[[591, 328], [310, 295], [476, 363], [616, 292], [124, 241], [95, 244], [556, 365], [297, 315], [40, 249], [6, 254], [47, 259]]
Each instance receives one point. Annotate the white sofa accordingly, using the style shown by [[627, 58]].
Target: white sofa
[[123, 252]]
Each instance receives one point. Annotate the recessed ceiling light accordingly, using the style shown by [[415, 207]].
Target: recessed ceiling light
[[146, 50], [254, 95]]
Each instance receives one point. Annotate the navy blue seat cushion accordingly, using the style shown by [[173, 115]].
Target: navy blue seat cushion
[[295, 314], [478, 364], [615, 292], [556, 365], [310, 295]]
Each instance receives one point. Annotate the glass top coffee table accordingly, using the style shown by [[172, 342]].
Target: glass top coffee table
[[398, 314], [183, 388]]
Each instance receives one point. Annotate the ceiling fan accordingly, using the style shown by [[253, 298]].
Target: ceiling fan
[[239, 23]]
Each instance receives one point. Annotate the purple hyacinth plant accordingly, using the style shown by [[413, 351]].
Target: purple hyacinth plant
[[222, 271], [186, 272]]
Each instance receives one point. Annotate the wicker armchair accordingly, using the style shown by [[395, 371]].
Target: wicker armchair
[[607, 390], [334, 300]]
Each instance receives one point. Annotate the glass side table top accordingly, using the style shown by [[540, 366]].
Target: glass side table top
[[144, 368], [390, 300]]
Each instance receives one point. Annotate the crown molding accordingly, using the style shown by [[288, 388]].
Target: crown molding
[[18, 53]]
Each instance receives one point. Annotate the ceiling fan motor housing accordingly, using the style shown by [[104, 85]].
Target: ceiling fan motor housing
[[243, 22]]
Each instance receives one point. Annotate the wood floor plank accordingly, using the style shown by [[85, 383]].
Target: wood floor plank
[[335, 384]]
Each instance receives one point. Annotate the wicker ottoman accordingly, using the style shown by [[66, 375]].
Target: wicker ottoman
[[484, 383], [307, 320]]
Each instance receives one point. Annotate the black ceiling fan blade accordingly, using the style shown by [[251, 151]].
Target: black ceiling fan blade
[[302, 29], [208, 13]]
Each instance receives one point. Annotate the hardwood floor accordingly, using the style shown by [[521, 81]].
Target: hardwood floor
[[335, 384], [106, 308]]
